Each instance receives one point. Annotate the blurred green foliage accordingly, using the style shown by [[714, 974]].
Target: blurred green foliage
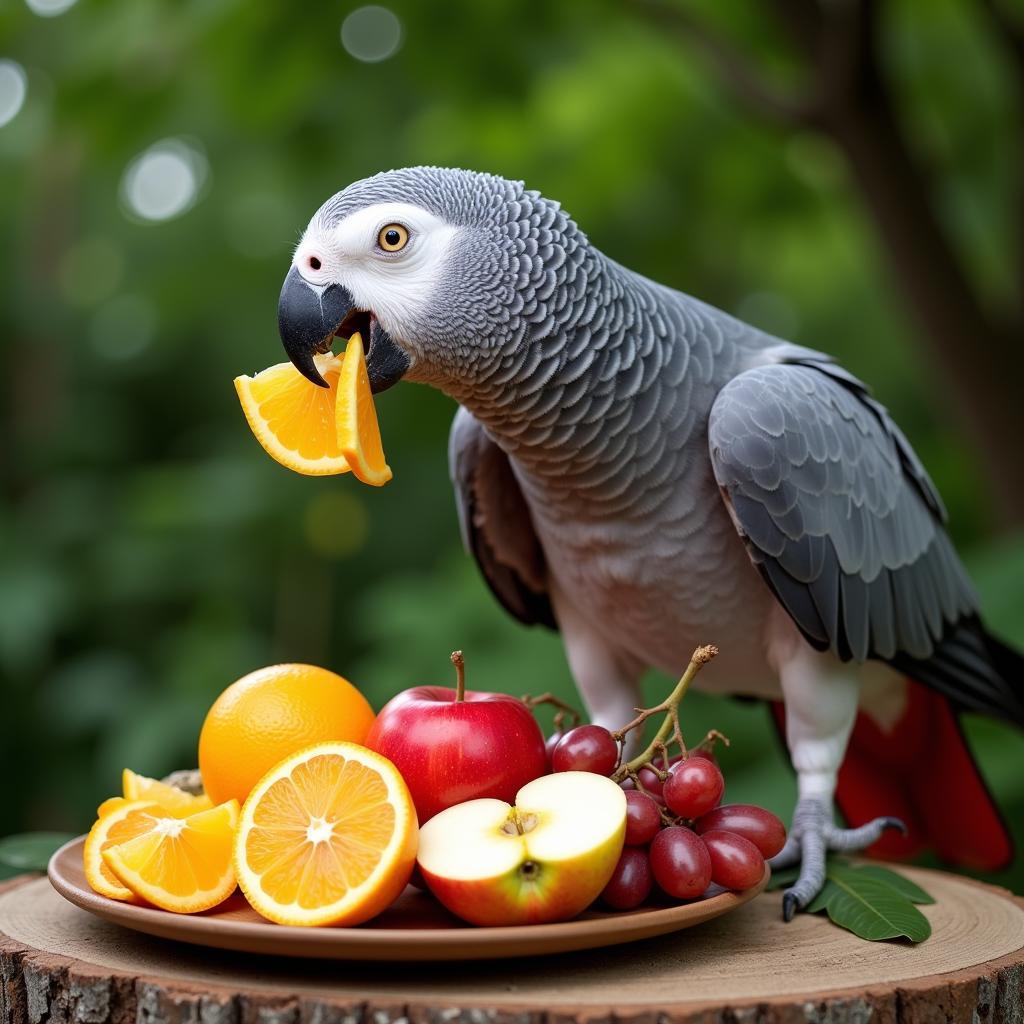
[[150, 553]]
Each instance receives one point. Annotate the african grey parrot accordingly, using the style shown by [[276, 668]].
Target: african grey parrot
[[646, 473]]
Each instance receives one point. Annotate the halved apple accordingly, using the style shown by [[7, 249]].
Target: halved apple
[[545, 859]]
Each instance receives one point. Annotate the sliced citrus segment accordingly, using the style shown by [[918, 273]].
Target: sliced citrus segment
[[173, 800], [293, 418], [328, 836], [358, 431], [110, 804], [180, 864], [129, 819]]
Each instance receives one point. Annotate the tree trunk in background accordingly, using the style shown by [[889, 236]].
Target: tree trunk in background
[[981, 363]]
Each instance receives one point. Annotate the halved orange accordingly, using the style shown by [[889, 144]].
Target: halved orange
[[170, 798], [180, 864], [358, 431], [313, 430], [328, 836], [129, 819]]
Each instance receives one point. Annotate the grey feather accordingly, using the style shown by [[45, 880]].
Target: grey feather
[[867, 494], [887, 584], [495, 522]]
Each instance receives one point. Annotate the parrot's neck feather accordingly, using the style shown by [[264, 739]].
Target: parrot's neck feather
[[606, 401]]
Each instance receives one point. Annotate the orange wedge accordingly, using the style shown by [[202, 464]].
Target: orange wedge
[[110, 804], [173, 800], [358, 431], [313, 430], [179, 864], [129, 819], [293, 418], [328, 836]]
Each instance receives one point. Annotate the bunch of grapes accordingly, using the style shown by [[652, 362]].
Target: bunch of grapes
[[678, 835]]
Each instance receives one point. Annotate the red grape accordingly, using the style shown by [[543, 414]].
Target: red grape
[[649, 777], [631, 880], [736, 863], [680, 862], [761, 827], [650, 781], [693, 787], [628, 784], [587, 748], [643, 818], [550, 743]]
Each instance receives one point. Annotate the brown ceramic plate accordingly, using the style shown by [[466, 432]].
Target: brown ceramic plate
[[415, 927]]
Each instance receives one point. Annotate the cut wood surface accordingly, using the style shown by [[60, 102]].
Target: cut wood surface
[[60, 965]]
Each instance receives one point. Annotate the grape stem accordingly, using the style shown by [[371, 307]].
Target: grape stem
[[669, 732], [563, 711]]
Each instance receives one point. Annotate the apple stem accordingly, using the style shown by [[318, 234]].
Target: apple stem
[[460, 676], [669, 731]]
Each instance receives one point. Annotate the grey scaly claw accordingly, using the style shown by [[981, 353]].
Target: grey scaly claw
[[810, 839], [789, 906]]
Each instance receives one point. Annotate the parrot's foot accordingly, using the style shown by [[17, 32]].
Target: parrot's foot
[[812, 836]]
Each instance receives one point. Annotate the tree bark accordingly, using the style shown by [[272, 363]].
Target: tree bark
[[59, 965]]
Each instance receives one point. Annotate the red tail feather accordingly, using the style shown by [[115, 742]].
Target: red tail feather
[[921, 770]]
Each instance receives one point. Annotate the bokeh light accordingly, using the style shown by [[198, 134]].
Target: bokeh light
[[13, 87], [371, 33], [123, 327], [164, 181], [49, 8]]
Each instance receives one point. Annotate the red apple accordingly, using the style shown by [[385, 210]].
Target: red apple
[[458, 745]]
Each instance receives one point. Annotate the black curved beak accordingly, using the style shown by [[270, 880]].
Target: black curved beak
[[307, 319], [386, 363]]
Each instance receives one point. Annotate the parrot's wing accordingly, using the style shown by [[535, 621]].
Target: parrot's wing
[[846, 528], [497, 529]]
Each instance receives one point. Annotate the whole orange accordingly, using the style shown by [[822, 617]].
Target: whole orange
[[270, 714]]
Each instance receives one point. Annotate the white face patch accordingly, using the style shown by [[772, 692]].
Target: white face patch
[[396, 286]]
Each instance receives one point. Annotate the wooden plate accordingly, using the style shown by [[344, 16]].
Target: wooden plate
[[415, 927]]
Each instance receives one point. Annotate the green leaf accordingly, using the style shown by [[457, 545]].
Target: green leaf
[[872, 910], [904, 886], [820, 902], [31, 851]]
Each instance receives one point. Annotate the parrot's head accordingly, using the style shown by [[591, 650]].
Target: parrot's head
[[445, 274]]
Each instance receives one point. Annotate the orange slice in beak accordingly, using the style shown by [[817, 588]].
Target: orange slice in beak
[[318, 431], [356, 418]]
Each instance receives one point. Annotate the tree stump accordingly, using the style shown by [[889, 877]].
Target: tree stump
[[59, 965]]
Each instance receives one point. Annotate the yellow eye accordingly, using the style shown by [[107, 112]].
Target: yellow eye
[[392, 238]]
